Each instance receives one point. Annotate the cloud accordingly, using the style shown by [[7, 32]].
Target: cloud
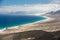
[[55, 1], [31, 9]]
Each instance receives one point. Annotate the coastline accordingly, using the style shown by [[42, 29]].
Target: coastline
[[40, 21], [15, 27]]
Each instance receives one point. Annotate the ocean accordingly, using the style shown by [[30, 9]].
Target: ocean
[[17, 20]]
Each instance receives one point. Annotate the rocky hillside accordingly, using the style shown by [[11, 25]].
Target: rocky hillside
[[32, 35]]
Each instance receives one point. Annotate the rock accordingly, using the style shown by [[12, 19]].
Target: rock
[[32, 35]]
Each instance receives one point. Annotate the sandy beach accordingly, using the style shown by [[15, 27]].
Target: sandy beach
[[34, 31], [29, 19], [50, 24], [25, 27]]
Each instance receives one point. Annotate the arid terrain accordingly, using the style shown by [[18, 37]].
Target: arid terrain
[[49, 30]]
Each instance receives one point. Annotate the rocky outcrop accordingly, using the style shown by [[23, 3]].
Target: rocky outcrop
[[32, 35]]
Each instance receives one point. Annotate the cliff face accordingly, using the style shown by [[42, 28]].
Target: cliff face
[[32, 35]]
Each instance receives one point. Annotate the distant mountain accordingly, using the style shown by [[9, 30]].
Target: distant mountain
[[57, 12], [54, 12]]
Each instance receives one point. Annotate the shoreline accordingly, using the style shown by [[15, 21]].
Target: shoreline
[[40, 21]]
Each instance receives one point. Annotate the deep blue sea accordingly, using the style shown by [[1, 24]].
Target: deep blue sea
[[15, 20]]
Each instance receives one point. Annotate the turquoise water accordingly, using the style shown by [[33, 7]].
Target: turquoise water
[[15, 20]]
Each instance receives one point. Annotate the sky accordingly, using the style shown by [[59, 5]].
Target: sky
[[29, 6], [22, 2]]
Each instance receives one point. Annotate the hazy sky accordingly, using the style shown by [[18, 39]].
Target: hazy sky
[[30, 6]]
